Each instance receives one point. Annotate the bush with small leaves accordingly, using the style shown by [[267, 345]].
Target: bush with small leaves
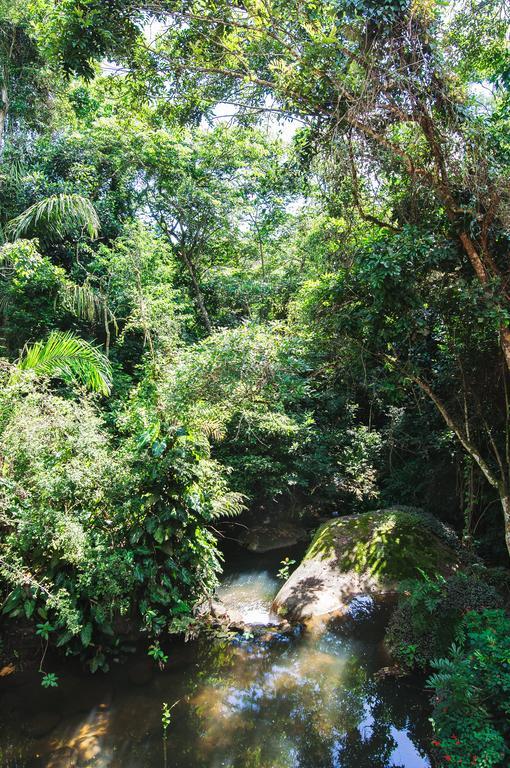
[[471, 687], [429, 612]]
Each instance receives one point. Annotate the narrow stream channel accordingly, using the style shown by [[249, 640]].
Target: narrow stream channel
[[306, 701]]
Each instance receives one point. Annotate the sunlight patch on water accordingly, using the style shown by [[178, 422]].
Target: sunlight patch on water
[[84, 743]]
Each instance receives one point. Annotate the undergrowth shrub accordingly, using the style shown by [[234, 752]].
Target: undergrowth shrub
[[430, 611], [471, 686], [100, 544]]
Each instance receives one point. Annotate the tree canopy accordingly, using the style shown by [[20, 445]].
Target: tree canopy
[[253, 258]]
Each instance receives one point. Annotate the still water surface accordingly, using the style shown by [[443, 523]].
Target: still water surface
[[306, 701]]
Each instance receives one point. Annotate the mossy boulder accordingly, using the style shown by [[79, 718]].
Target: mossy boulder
[[369, 553]]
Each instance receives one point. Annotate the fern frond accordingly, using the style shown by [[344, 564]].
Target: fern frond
[[229, 504], [59, 214], [66, 356]]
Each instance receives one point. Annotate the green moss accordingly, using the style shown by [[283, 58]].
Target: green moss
[[391, 544]]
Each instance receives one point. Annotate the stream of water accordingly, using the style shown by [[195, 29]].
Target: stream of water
[[305, 701]]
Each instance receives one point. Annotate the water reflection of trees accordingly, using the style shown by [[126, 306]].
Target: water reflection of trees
[[258, 707], [310, 702]]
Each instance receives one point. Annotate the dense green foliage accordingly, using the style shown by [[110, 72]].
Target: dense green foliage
[[456, 628], [430, 612], [472, 687], [99, 543], [254, 259]]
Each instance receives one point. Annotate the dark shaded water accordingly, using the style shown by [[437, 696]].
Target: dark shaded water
[[309, 701]]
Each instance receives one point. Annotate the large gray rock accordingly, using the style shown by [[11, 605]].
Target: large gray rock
[[362, 554]]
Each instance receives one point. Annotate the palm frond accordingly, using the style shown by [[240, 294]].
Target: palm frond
[[66, 356], [86, 303], [5, 260], [4, 299], [59, 214], [12, 171]]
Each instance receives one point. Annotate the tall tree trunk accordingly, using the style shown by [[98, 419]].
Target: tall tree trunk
[[4, 108], [199, 297], [485, 272], [505, 503], [500, 482], [504, 336], [479, 256]]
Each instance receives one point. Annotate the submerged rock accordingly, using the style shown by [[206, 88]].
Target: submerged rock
[[265, 538], [369, 554], [392, 672]]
